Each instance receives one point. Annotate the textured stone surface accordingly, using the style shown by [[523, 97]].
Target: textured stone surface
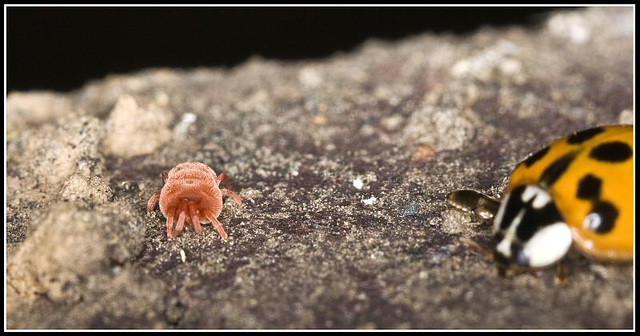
[[344, 164]]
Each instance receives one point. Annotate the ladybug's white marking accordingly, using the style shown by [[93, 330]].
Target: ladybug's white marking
[[498, 219], [504, 247], [548, 245], [529, 193], [540, 197]]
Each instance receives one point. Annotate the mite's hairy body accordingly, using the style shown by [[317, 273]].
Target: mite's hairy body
[[191, 195]]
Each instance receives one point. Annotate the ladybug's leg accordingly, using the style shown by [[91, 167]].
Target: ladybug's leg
[[502, 270], [488, 254], [215, 223], [152, 202], [561, 273], [194, 218]]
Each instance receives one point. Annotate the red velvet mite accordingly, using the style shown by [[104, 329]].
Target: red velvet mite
[[191, 191]]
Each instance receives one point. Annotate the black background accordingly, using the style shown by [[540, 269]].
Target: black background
[[61, 48]]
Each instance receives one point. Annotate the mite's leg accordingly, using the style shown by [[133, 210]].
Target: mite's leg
[[170, 222], [181, 217], [152, 202], [223, 178], [217, 224], [194, 218], [165, 176], [235, 197], [227, 189]]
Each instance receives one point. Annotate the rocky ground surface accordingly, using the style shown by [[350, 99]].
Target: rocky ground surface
[[344, 164]]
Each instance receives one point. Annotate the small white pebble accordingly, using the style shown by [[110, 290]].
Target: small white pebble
[[392, 123], [183, 256], [183, 126], [358, 184], [370, 200]]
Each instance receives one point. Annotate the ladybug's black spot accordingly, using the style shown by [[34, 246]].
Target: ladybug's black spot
[[535, 219], [589, 187], [531, 219], [535, 157], [512, 207], [602, 217], [614, 151], [582, 136], [553, 172]]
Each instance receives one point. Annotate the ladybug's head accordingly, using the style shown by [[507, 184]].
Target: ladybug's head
[[528, 230]]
